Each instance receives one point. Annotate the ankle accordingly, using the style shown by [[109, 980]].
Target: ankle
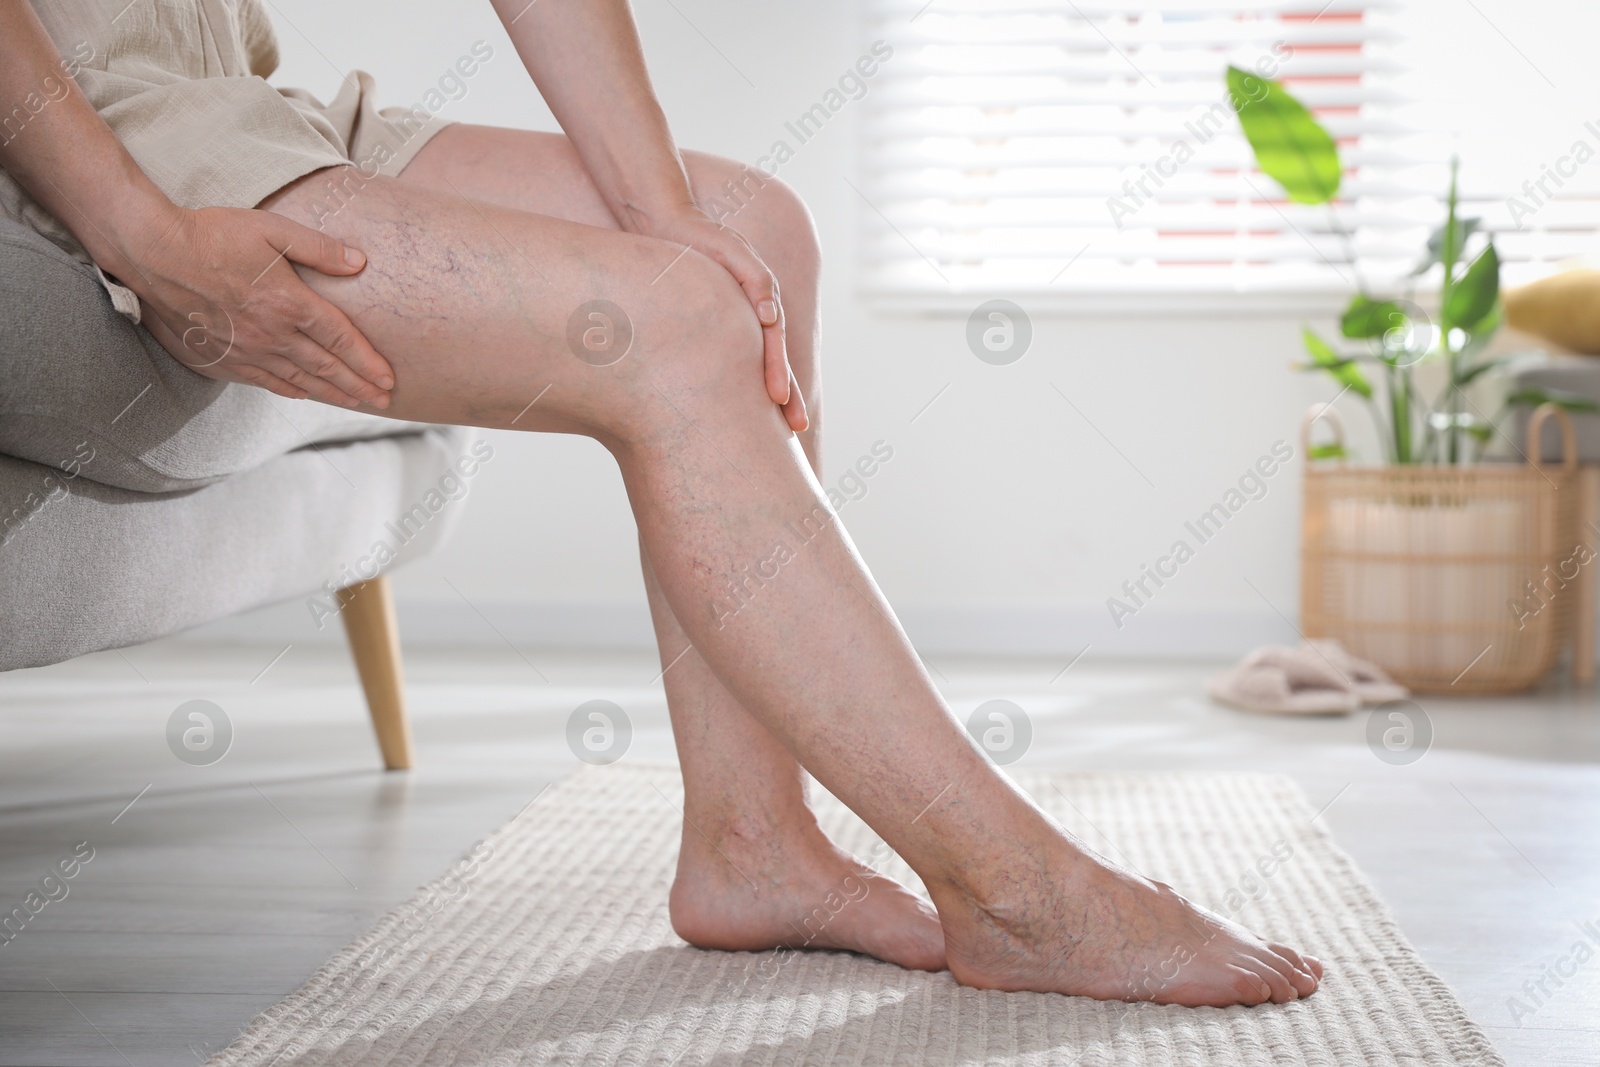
[[1010, 877], [979, 901], [763, 837]]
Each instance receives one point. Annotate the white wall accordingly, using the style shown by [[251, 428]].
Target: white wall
[[1004, 520]]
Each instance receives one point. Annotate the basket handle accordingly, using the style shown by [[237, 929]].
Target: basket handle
[[1569, 440], [1322, 411]]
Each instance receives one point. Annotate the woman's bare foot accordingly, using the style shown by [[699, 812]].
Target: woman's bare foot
[[759, 888], [1066, 921]]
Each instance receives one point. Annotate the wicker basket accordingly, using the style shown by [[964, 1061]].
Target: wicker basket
[[1438, 573]]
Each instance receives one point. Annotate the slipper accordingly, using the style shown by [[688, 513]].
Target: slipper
[[1284, 681], [1369, 680]]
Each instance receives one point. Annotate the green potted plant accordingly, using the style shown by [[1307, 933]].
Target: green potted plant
[[1419, 563]]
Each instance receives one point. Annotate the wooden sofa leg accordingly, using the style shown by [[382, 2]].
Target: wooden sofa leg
[[369, 622]]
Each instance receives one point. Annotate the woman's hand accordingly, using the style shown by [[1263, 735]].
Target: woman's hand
[[727, 246], [220, 294], [216, 284]]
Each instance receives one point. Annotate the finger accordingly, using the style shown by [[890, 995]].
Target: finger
[[794, 412], [317, 354], [315, 249], [753, 277], [1303, 976], [775, 362], [270, 382], [328, 327], [761, 289], [292, 367], [362, 372], [763, 293]]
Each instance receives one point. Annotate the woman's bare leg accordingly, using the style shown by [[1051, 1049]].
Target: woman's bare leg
[[754, 868], [471, 304]]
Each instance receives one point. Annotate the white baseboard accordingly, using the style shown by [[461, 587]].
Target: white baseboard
[[935, 631]]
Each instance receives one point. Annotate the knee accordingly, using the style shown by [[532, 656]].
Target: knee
[[717, 336], [768, 211], [785, 235], [700, 358]]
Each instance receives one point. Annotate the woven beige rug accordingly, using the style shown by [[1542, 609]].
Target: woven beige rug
[[549, 943]]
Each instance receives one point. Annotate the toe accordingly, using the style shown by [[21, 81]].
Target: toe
[[1250, 988], [1282, 990], [1302, 975]]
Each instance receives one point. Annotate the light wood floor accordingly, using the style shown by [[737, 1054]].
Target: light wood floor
[[222, 887]]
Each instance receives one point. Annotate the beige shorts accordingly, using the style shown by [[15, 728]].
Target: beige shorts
[[182, 84]]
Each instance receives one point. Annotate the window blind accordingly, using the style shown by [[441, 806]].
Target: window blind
[[1078, 147]]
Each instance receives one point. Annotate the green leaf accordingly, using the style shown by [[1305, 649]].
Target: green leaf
[[1343, 370], [1533, 397], [1474, 296], [1366, 317], [1341, 361], [1464, 228], [1328, 451], [1291, 146], [1472, 374], [1484, 329]]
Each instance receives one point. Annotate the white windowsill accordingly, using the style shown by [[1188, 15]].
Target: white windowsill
[[1112, 303]]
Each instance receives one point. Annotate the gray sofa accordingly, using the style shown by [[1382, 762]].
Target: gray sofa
[[138, 498], [1568, 374]]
